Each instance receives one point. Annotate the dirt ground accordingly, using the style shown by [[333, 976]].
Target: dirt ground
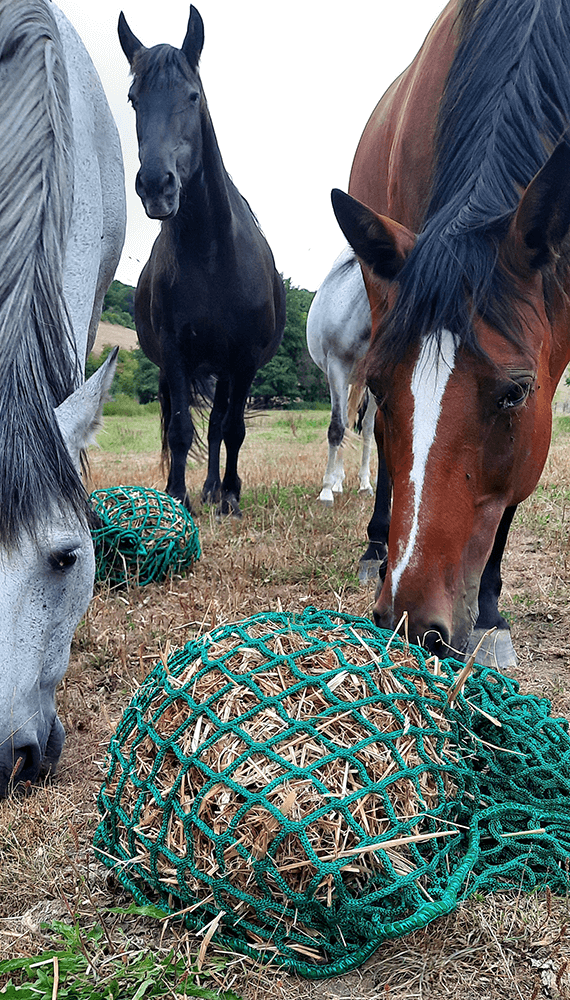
[[287, 552]]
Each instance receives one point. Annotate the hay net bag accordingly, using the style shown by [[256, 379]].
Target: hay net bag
[[311, 786], [143, 536]]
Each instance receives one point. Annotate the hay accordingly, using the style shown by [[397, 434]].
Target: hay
[[295, 797], [143, 535], [304, 786], [280, 772]]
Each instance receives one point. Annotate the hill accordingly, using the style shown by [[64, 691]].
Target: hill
[[117, 336]]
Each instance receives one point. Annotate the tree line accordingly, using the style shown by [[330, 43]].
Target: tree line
[[291, 378]]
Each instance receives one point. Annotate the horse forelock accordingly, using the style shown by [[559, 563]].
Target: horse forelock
[[38, 360], [161, 66], [505, 105]]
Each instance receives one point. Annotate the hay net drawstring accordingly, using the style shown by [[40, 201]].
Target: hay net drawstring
[[143, 536], [314, 787]]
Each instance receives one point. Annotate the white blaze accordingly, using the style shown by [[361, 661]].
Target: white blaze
[[429, 379]]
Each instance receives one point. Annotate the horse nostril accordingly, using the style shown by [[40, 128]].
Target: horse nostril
[[25, 767], [435, 638], [155, 184]]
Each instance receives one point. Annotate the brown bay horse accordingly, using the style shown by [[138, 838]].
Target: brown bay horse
[[459, 209], [209, 305]]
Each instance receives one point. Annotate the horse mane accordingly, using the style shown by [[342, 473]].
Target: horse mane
[[160, 65], [39, 367], [506, 103]]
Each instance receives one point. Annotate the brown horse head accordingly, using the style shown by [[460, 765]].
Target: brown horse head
[[464, 421]]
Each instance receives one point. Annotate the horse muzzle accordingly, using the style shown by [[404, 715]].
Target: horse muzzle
[[436, 625], [160, 195], [21, 766]]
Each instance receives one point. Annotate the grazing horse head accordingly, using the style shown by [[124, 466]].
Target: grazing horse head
[[470, 308], [46, 582], [51, 293], [166, 94]]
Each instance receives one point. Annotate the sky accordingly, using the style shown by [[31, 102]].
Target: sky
[[290, 87]]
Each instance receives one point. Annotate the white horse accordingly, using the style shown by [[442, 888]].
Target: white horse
[[338, 335], [62, 220]]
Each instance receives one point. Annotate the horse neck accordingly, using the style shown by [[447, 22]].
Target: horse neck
[[206, 202]]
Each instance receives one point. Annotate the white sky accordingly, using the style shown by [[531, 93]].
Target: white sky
[[290, 87]]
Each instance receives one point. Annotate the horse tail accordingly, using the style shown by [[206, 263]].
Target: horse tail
[[39, 365], [357, 401], [164, 451]]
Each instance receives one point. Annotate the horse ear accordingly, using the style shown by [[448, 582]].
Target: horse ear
[[542, 219], [129, 42], [79, 416], [379, 242], [194, 42]]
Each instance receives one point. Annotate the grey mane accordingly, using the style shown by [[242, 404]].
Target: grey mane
[[38, 360]]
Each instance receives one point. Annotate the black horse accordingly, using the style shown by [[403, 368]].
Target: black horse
[[210, 305]]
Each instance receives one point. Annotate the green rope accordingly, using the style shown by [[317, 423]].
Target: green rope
[[144, 536], [496, 761]]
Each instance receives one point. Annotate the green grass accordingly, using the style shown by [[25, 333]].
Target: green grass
[[130, 427], [88, 965], [560, 426], [125, 406], [138, 431]]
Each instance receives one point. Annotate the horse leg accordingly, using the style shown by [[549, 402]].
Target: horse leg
[[367, 438], [339, 474], [233, 428], [334, 472], [177, 430], [372, 565], [497, 649], [212, 486]]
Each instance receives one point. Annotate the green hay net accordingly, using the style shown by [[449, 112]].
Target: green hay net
[[144, 536], [308, 787]]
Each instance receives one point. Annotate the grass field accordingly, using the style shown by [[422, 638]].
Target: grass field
[[287, 552]]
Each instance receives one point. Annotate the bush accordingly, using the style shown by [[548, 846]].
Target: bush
[[136, 376], [118, 318]]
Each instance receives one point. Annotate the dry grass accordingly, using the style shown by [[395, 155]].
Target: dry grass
[[286, 553], [332, 835]]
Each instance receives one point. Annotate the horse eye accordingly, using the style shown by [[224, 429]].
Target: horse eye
[[60, 561], [516, 394]]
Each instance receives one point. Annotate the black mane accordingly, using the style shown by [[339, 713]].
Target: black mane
[[160, 66], [506, 104]]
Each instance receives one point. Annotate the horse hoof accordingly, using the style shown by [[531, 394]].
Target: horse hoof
[[229, 507], [497, 650], [326, 497], [369, 571], [366, 491]]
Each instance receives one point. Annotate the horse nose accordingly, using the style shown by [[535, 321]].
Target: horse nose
[[155, 182], [21, 769], [159, 192], [433, 635]]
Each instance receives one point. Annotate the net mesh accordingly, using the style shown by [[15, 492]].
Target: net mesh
[[314, 786], [144, 535]]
